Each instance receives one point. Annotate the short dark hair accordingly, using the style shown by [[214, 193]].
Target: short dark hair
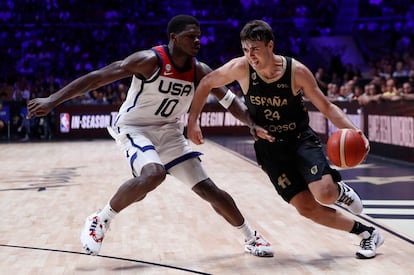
[[178, 23], [257, 30]]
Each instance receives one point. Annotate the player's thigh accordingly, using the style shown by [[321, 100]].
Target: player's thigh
[[139, 151], [279, 163], [190, 172], [312, 161]]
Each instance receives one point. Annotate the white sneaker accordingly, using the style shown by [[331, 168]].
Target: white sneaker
[[369, 244], [258, 246], [349, 198], [93, 233]]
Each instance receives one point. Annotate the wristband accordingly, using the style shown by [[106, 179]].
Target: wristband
[[227, 99]]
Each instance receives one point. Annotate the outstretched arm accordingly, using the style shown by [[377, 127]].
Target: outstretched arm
[[79, 86], [142, 63]]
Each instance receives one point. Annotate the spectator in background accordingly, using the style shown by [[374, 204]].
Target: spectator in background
[[386, 69], [21, 91], [372, 93], [411, 76], [390, 91], [99, 98], [407, 91], [110, 94], [346, 91], [400, 70], [357, 91], [378, 82], [120, 94], [350, 73], [333, 91]]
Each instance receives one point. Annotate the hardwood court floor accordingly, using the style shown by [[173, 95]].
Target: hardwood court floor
[[47, 189]]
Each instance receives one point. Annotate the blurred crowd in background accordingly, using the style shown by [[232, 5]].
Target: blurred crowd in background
[[44, 44]]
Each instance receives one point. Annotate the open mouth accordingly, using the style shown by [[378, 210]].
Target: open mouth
[[254, 63]]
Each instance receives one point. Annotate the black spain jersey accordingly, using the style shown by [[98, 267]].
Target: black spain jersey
[[274, 105]]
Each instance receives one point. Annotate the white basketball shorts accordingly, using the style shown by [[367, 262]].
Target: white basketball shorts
[[163, 144]]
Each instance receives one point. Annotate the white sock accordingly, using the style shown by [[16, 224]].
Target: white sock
[[107, 213], [246, 230]]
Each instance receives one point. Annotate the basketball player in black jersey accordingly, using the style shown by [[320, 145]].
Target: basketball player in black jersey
[[287, 149]]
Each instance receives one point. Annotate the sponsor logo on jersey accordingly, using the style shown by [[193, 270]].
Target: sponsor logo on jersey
[[168, 69]]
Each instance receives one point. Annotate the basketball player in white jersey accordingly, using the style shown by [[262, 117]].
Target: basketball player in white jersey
[[149, 131]]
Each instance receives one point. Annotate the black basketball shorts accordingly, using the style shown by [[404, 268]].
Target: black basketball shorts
[[293, 163]]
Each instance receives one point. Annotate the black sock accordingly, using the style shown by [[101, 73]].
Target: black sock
[[358, 228]]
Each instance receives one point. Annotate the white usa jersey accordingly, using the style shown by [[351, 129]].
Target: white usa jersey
[[161, 99]]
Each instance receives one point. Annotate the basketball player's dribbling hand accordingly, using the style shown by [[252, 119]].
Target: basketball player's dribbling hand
[[366, 142], [39, 107]]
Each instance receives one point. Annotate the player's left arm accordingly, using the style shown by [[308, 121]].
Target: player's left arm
[[304, 79]]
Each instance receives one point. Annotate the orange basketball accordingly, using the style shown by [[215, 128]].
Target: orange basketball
[[346, 148]]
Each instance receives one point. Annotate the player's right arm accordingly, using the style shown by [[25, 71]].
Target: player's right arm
[[234, 70], [142, 63], [213, 80]]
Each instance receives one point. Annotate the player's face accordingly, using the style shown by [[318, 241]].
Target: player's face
[[188, 41], [258, 54]]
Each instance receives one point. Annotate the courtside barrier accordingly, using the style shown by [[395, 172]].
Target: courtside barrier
[[388, 125]]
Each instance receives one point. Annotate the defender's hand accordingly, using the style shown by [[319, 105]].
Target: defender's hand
[[39, 107]]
